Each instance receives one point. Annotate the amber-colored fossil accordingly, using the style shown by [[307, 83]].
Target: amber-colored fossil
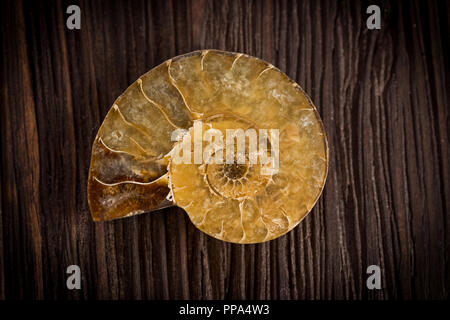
[[132, 170]]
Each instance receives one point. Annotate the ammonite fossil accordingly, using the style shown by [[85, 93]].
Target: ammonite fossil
[[144, 155]]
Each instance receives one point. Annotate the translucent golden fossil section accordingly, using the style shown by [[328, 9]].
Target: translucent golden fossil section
[[132, 169]]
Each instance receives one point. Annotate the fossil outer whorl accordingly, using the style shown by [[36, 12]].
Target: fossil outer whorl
[[132, 168]]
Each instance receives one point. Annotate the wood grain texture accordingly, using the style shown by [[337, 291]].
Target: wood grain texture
[[383, 96]]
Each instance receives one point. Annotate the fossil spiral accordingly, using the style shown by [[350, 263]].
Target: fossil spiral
[[133, 168]]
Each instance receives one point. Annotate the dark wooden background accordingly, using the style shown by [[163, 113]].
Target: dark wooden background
[[383, 96]]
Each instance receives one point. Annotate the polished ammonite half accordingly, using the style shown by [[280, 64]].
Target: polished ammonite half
[[133, 168]]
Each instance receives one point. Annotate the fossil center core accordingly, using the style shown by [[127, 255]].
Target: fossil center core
[[235, 180], [235, 171]]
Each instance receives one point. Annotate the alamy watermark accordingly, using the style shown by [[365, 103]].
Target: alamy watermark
[[374, 20], [74, 280], [374, 280], [239, 146], [74, 20]]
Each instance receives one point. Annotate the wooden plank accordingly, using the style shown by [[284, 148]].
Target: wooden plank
[[383, 98]]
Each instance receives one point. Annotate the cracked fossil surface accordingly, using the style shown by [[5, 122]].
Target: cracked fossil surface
[[132, 171]]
